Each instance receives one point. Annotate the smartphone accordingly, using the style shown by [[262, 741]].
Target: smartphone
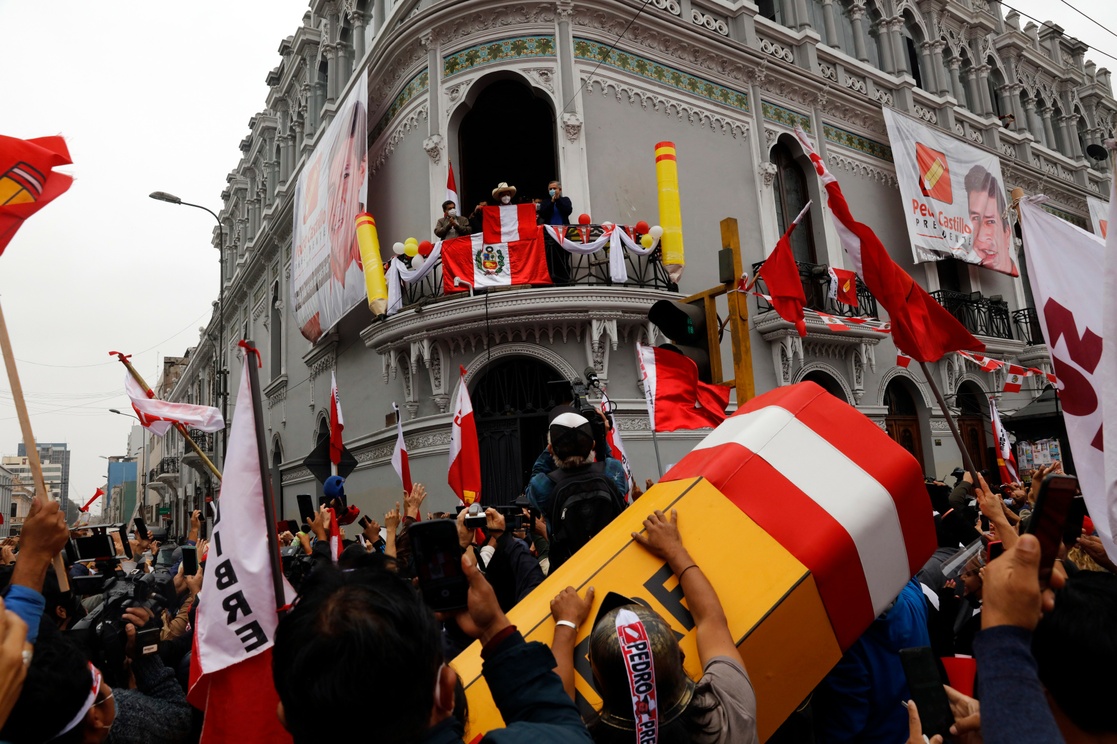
[[1073, 528], [292, 526], [438, 563], [996, 547], [985, 527], [147, 641], [926, 687], [141, 528], [364, 521], [189, 560], [306, 507], [94, 547], [1049, 518]]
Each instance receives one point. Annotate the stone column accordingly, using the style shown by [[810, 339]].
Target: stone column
[[884, 45], [856, 19], [829, 24], [378, 14], [983, 90], [956, 80], [899, 47], [357, 21], [930, 71], [1016, 108], [973, 95], [564, 46], [344, 66], [803, 19], [1069, 123], [1032, 121], [330, 52], [941, 82], [1048, 130], [272, 170]]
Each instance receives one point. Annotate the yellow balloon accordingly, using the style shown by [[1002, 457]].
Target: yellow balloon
[[410, 249], [411, 241], [647, 241]]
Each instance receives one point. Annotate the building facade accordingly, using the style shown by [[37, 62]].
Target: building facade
[[57, 454], [527, 92], [7, 512]]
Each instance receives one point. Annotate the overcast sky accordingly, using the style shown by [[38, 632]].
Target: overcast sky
[[153, 96]]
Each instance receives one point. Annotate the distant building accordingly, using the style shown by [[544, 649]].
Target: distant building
[[22, 493], [20, 466], [6, 510], [56, 453]]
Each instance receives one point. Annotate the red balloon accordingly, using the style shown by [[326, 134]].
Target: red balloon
[[425, 248], [583, 219], [642, 227]]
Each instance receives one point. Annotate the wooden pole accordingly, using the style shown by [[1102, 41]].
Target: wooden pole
[[28, 438], [181, 429], [738, 317], [966, 459]]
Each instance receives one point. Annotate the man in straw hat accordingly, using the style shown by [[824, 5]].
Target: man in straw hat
[[503, 193]]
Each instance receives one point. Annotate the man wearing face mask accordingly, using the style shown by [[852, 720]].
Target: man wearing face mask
[[555, 210], [503, 193], [451, 224]]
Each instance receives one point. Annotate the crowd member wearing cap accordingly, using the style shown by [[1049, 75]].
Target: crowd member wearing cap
[[720, 707], [570, 445], [503, 193], [359, 659]]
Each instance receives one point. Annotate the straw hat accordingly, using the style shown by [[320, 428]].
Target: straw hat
[[503, 188]]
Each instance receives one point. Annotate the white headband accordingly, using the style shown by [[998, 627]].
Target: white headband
[[96, 676]]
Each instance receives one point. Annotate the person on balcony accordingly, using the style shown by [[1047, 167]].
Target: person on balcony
[[503, 193], [451, 224], [556, 209]]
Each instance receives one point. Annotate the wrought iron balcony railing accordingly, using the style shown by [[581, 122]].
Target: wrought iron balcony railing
[[566, 269], [984, 316], [203, 439], [1028, 328], [168, 466], [816, 288]]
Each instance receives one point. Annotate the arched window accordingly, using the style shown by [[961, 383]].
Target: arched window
[[902, 422], [1080, 130], [998, 94], [275, 345], [913, 39], [791, 196], [827, 383], [1060, 142], [973, 408]]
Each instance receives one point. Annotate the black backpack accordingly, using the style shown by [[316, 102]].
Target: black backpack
[[584, 501]]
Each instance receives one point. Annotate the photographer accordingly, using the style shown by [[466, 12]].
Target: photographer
[[507, 563]]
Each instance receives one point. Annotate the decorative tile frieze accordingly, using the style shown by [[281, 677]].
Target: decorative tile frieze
[[505, 50], [414, 87]]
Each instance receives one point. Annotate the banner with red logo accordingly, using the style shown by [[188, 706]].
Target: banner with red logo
[[1099, 215], [954, 197]]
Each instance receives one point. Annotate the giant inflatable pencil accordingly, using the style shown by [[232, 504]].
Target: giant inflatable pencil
[[369, 243], [670, 211], [806, 517]]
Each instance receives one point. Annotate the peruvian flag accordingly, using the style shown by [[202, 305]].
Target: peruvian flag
[[399, 454], [337, 425], [920, 326], [230, 671], [902, 359], [676, 398], [451, 187], [480, 263], [465, 455], [27, 179], [1006, 461], [781, 277], [832, 322], [335, 537], [858, 516], [158, 416], [613, 437], [843, 286], [508, 223], [1014, 377]]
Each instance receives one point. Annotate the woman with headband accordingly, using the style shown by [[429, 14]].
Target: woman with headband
[[637, 664]]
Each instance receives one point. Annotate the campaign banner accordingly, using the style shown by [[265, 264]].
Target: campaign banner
[[1099, 215], [326, 275], [954, 197]]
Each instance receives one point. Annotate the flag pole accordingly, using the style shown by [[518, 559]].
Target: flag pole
[[29, 439], [967, 461], [265, 477], [655, 444], [180, 427]]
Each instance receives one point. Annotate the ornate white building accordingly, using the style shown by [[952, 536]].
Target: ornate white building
[[528, 91]]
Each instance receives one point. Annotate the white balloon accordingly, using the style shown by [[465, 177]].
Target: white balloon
[[397, 249], [656, 231], [417, 262]]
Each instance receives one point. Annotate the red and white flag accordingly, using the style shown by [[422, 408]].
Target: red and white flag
[[337, 425], [902, 359], [613, 437], [508, 223], [843, 286], [1068, 273], [1006, 461], [920, 326], [479, 263], [1014, 378], [464, 475], [676, 398], [1108, 372], [832, 488], [986, 364], [399, 454], [781, 278], [27, 179], [230, 671], [832, 322], [158, 416], [335, 536], [451, 187]]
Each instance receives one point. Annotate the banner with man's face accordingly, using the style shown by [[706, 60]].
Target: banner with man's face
[[954, 197], [326, 275]]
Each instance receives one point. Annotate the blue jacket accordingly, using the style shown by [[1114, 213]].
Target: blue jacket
[[540, 488], [1013, 705]]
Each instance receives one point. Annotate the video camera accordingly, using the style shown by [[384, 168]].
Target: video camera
[[514, 517], [579, 390]]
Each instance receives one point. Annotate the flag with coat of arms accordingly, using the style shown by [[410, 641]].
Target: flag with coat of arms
[[478, 263]]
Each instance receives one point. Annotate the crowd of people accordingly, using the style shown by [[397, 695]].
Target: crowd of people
[[360, 655]]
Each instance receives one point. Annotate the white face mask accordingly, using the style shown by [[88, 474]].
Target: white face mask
[[451, 212], [505, 200], [552, 192]]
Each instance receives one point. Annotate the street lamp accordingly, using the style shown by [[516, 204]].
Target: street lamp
[[223, 374], [142, 478]]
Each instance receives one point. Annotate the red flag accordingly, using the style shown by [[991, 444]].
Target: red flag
[[676, 398], [158, 416], [508, 223], [1014, 378], [27, 181], [399, 454], [920, 326], [230, 670], [1006, 461], [451, 187], [464, 476], [781, 276], [832, 322], [337, 423], [478, 263], [902, 359], [843, 286], [335, 537]]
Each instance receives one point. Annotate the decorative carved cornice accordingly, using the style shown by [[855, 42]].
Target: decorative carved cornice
[[669, 103], [407, 123]]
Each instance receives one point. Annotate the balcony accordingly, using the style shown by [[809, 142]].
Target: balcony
[[166, 471], [816, 288], [203, 439], [1027, 325], [982, 316]]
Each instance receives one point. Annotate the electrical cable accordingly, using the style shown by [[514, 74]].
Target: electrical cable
[[1041, 23], [607, 53]]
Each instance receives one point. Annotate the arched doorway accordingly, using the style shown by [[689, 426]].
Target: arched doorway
[[903, 418], [827, 383], [508, 135], [511, 401], [973, 410]]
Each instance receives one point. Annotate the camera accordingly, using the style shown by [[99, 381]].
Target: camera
[[475, 517], [579, 390]]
